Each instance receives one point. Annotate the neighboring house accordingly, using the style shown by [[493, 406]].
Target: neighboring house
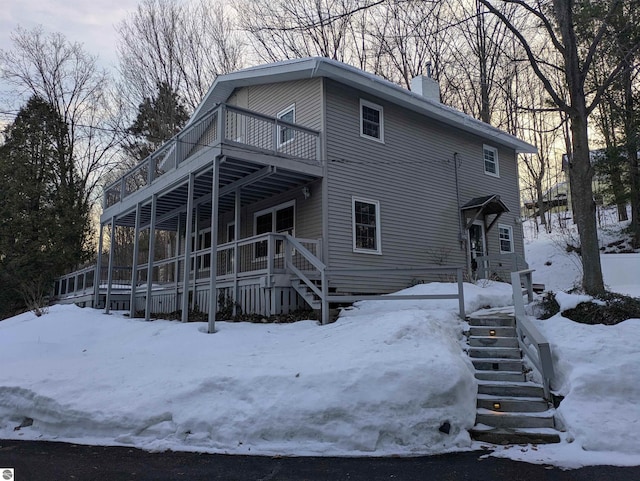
[[302, 176]]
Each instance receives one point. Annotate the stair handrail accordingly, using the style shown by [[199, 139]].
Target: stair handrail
[[323, 292], [531, 340]]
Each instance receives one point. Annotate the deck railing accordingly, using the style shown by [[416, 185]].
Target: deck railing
[[532, 342], [223, 124], [257, 259]]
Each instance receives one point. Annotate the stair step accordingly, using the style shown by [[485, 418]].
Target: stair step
[[513, 376], [492, 364], [495, 352], [512, 404], [515, 420], [492, 341], [510, 389], [507, 321], [500, 331], [494, 435]]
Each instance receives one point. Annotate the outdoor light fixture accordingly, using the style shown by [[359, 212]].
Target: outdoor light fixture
[[496, 406], [306, 192], [492, 332]]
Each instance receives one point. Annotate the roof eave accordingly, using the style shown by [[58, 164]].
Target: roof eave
[[312, 67]]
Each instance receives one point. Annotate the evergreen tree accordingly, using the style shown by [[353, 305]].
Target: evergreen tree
[[44, 215], [158, 119]]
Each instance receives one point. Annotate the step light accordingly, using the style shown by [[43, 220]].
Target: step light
[[492, 332], [496, 406]]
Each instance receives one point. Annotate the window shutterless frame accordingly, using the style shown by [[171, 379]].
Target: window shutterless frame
[[371, 121], [505, 234], [285, 134], [366, 225], [490, 161]]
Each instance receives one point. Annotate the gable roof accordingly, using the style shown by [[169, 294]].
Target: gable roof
[[314, 67]]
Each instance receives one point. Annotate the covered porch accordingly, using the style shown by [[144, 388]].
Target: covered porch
[[163, 220]]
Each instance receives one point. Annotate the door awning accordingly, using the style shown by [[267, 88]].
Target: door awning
[[481, 208]]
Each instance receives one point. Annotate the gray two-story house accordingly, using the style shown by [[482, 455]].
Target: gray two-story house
[[307, 180]]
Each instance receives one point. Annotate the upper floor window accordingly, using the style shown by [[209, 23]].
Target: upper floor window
[[366, 226], [286, 134], [371, 121], [490, 157], [506, 238]]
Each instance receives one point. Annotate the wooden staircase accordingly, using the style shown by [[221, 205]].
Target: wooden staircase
[[510, 409]]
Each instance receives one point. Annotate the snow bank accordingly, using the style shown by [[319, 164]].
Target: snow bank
[[597, 372], [381, 380]]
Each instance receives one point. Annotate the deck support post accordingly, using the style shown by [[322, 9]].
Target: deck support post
[[176, 275], [213, 269], [196, 259], [97, 273], [152, 254], [236, 253], [187, 250], [110, 268], [134, 263]]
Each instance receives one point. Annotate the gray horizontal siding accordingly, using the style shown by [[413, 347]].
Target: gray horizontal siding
[[269, 99], [412, 176]]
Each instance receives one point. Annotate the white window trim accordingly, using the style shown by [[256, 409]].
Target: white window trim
[[371, 105], [510, 230], [273, 210], [378, 251], [495, 156], [279, 115]]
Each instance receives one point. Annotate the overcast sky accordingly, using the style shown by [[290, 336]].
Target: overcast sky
[[90, 22]]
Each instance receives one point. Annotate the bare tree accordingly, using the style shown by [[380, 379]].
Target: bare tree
[[182, 46], [282, 29], [558, 19], [63, 74]]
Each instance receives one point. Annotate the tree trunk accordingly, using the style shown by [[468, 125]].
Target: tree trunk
[[580, 176], [631, 134]]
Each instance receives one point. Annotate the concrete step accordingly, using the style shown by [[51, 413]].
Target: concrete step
[[497, 331], [492, 341], [503, 436], [513, 376], [495, 352], [502, 404], [492, 364], [515, 420], [507, 321], [510, 389]]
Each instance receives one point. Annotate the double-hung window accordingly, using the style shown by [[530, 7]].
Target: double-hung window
[[286, 134], [366, 226], [371, 121], [505, 233], [490, 159]]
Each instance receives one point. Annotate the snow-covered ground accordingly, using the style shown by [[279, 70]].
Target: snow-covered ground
[[387, 378]]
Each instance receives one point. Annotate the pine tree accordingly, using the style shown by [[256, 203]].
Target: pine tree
[[44, 217]]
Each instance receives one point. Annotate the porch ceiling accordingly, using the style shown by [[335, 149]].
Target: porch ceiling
[[255, 181]]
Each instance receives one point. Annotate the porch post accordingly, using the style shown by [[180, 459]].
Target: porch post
[[176, 275], [134, 263], [152, 242], [236, 252], [213, 272], [187, 250], [196, 259], [96, 274], [110, 268]]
